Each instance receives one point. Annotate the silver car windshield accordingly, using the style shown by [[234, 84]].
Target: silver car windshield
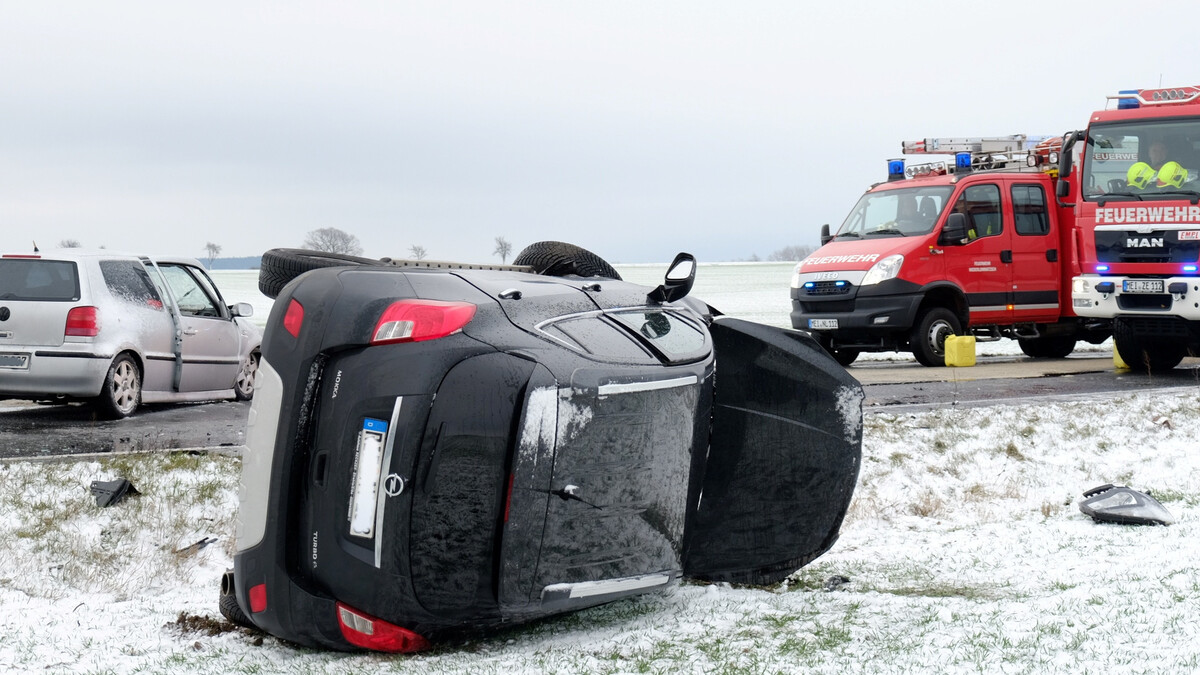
[[905, 212], [1142, 161]]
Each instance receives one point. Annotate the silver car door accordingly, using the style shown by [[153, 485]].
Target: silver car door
[[211, 344]]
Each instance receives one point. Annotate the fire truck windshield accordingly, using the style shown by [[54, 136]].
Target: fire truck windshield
[[1144, 160], [905, 212]]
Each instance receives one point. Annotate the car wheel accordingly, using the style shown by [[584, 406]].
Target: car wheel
[[280, 265], [928, 339], [243, 386], [1048, 347], [228, 604], [122, 390], [1146, 355], [558, 259]]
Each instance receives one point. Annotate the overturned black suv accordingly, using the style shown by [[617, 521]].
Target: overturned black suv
[[437, 448]]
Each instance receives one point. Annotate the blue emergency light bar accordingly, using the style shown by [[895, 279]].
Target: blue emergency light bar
[[1128, 103], [962, 162], [1101, 268], [1189, 268], [895, 169]]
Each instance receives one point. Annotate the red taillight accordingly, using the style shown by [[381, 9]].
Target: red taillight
[[416, 320], [508, 497], [82, 322], [368, 632], [293, 318], [258, 598]]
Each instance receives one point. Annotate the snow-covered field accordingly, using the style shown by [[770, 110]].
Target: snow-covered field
[[964, 550]]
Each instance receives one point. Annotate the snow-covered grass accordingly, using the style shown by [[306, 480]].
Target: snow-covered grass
[[964, 549]]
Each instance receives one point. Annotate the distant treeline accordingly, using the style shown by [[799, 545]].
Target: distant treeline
[[247, 263]]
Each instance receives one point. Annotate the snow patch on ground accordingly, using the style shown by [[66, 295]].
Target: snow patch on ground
[[964, 548]]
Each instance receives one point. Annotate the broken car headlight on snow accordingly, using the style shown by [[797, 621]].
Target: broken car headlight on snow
[[1118, 504]]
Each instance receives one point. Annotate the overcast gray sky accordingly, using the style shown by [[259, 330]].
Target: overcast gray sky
[[635, 129]]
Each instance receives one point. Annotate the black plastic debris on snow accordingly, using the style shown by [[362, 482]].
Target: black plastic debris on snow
[[111, 492], [1110, 503]]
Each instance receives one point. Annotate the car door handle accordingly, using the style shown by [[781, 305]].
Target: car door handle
[[1051, 255], [1005, 256], [190, 331]]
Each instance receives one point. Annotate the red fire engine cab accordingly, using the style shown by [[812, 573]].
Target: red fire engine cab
[[1138, 219], [979, 246]]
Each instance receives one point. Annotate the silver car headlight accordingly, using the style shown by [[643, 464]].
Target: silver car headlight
[[888, 268]]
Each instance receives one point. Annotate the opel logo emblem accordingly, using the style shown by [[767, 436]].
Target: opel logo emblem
[[393, 485]]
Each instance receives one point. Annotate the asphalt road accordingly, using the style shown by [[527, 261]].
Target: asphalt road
[[31, 430]]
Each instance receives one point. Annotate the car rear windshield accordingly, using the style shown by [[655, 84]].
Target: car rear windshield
[[34, 279]]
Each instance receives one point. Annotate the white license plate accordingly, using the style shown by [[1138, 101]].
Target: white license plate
[[364, 486], [823, 324], [14, 361], [1142, 286]]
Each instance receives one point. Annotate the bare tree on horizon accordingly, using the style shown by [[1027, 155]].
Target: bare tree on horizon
[[417, 252], [70, 243], [503, 248], [212, 250], [333, 240]]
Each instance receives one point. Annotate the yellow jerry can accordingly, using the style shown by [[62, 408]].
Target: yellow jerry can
[[960, 350]]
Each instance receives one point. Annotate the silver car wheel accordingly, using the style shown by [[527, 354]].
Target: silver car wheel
[[125, 387], [122, 392], [243, 386]]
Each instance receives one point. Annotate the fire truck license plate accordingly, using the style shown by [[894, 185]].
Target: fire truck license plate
[[823, 324], [1142, 286]]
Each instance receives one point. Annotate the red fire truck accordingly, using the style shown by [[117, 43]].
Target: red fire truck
[[977, 246], [1138, 222]]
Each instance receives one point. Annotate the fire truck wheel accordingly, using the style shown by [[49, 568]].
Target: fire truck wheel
[[1146, 355], [843, 356], [928, 339], [1047, 347]]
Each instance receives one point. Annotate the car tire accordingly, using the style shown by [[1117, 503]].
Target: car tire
[[928, 338], [122, 391], [280, 265], [243, 385], [559, 259], [1048, 347], [228, 604], [1146, 355]]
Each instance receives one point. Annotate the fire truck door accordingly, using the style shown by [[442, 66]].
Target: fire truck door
[[1035, 265], [982, 267]]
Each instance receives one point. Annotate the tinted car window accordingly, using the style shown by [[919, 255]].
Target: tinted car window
[[29, 279], [128, 281], [190, 295], [599, 338], [676, 338]]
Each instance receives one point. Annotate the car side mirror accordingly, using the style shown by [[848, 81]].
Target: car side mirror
[[825, 236], [954, 233], [677, 283], [242, 309]]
